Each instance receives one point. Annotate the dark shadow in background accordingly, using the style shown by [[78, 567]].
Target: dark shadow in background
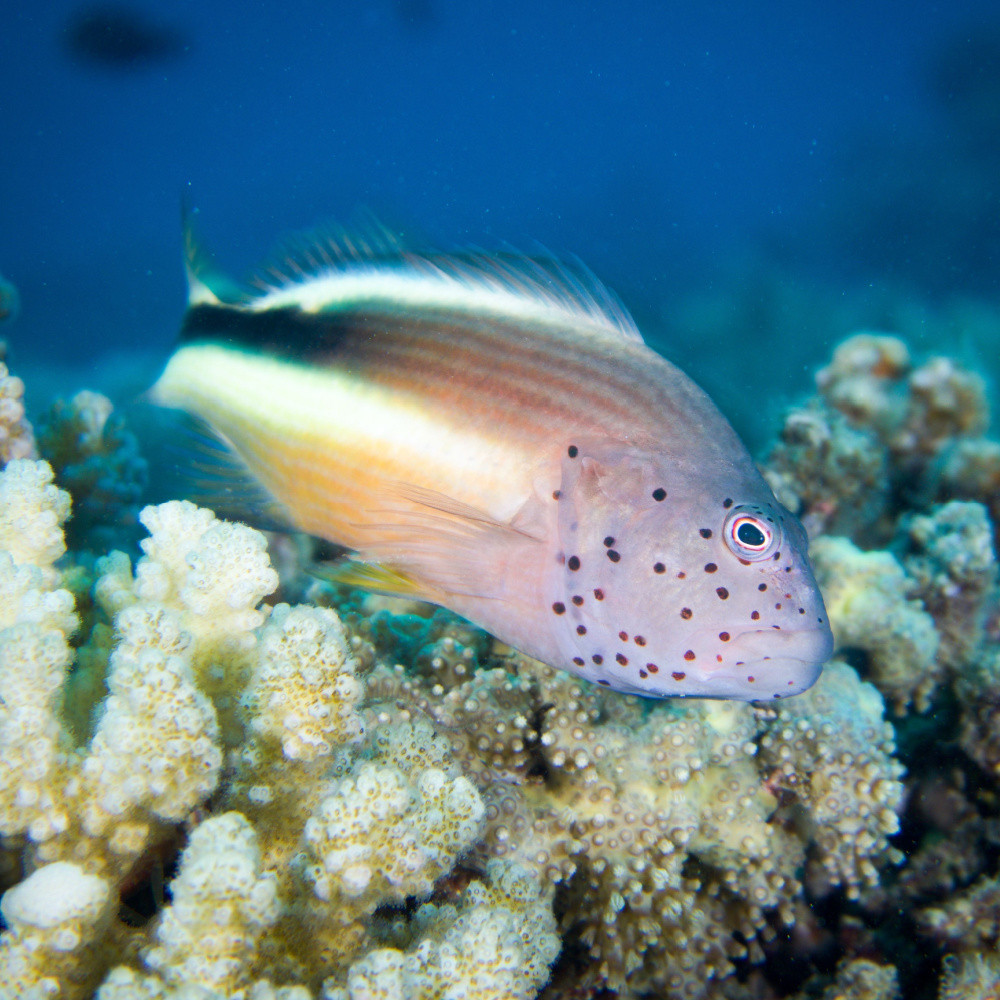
[[118, 37]]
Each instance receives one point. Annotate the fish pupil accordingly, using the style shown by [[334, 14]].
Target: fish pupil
[[750, 534]]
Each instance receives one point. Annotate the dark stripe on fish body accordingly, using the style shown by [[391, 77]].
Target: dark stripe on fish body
[[547, 378]]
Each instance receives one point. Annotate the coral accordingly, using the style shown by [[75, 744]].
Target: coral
[[303, 693], [861, 377], [866, 597], [884, 433], [17, 439], [56, 913], [970, 977], [371, 798], [835, 473], [978, 691], [32, 512], [96, 458], [844, 775], [657, 823], [970, 469], [955, 849], [190, 646], [215, 575], [859, 979], [914, 411], [954, 569], [154, 750], [221, 904], [499, 942], [969, 919], [384, 835], [32, 744]]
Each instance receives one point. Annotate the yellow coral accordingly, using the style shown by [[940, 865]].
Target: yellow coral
[[221, 904], [16, 437], [501, 943], [56, 913], [33, 665], [32, 512], [214, 574], [303, 692], [833, 750], [384, 836], [155, 744], [216, 571], [866, 597]]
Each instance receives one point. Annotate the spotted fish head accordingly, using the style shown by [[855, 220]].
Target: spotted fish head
[[668, 583]]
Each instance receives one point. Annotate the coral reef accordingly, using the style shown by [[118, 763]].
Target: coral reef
[[96, 459], [866, 597], [360, 797], [971, 977], [859, 979], [17, 439], [879, 437]]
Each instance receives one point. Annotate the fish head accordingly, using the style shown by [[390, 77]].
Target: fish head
[[670, 580]]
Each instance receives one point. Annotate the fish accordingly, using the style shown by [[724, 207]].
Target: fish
[[489, 432]]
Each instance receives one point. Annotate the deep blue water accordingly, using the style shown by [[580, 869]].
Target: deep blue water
[[754, 179]]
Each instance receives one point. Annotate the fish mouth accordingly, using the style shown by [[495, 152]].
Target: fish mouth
[[778, 664]]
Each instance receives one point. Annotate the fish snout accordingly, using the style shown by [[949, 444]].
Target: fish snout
[[782, 663]]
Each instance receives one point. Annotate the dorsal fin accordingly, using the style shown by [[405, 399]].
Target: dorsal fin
[[335, 269], [207, 285]]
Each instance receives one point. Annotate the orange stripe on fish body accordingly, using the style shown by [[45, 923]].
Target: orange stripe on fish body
[[495, 431]]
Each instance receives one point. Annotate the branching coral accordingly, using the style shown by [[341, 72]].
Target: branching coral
[[196, 670], [56, 913], [971, 977], [382, 837], [867, 598], [859, 979], [17, 439], [915, 411], [96, 458], [657, 823], [833, 751], [884, 431], [32, 512], [499, 942], [954, 569], [970, 919], [221, 904]]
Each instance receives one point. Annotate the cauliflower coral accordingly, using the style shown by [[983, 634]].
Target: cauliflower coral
[[241, 724]]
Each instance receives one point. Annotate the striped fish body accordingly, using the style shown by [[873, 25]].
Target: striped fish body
[[496, 435]]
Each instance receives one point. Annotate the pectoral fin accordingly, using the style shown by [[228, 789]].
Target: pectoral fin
[[434, 546]]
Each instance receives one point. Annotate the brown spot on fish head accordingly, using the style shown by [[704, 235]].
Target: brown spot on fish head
[[681, 571]]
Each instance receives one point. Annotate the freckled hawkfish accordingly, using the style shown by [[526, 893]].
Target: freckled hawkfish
[[490, 433]]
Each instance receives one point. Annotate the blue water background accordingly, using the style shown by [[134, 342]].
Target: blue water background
[[755, 180]]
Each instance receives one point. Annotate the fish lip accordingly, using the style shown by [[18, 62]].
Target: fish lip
[[809, 645], [783, 663]]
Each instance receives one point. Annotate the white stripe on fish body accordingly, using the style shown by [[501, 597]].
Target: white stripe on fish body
[[341, 423], [498, 436], [459, 289]]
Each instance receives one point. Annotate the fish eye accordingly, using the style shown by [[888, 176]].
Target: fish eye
[[749, 536]]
